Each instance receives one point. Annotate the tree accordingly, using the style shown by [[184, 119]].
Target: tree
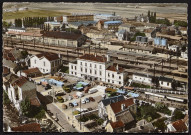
[[26, 107], [160, 124], [6, 100], [24, 54], [149, 13], [177, 115]]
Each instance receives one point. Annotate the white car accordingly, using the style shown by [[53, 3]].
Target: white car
[[83, 101]]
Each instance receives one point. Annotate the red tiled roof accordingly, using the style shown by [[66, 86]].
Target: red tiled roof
[[94, 58], [32, 127], [20, 81], [117, 124], [114, 68], [5, 70], [31, 71], [116, 107], [8, 55], [180, 126], [49, 56], [35, 102]]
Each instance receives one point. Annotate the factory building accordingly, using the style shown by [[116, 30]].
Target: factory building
[[110, 17], [160, 42], [141, 40], [78, 18], [53, 25]]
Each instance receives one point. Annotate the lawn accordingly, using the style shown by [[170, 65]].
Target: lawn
[[32, 13]]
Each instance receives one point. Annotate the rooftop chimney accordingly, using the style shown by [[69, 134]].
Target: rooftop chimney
[[117, 67], [108, 58], [122, 107]]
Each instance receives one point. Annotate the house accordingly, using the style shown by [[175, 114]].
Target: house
[[142, 78], [183, 30], [19, 89], [63, 38], [141, 40], [16, 29], [128, 27], [6, 71], [123, 35], [120, 112], [98, 68], [53, 25], [31, 127], [112, 25], [142, 126], [114, 127], [165, 82], [174, 48], [150, 33], [76, 25], [46, 62], [179, 126], [12, 54], [184, 54], [13, 67], [142, 18], [103, 103], [32, 72], [100, 24]]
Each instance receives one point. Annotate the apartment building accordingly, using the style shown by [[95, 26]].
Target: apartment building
[[46, 62], [100, 68]]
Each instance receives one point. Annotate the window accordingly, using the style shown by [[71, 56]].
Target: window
[[43, 70], [112, 81], [108, 75], [108, 80], [47, 70], [44, 64], [85, 64], [35, 61], [75, 73], [119, 77], [75, 67], [90, 65], [100, 66], [100, 73], [72, 67], [162, 82], [113, 75], [81, 69], [119, 82], [90, 71], [80, 63], [167, 84], [86, 70], [72, 72], [95, 65], [95, 72]]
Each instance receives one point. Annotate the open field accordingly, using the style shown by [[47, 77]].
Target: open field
[[172, 11], [31, 13]]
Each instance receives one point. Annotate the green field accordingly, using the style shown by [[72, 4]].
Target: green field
[[32, 13]]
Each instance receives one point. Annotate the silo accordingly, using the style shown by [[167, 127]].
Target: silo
[[163, 42]]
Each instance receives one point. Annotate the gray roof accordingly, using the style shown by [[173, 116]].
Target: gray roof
[[165, 79], [143, 75], [112, 100], [28, 86], [17, 54], [82, 23], [122, 31], [125, 117], [8, 63]]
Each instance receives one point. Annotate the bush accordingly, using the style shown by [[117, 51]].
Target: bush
[[162, 108], [66, 89], [64, 69], [93, 117], [40, 114], [180, 23], [24, 54], [75, 112], [100, 121]]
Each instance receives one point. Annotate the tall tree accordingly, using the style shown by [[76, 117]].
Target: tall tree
[[149, 13]]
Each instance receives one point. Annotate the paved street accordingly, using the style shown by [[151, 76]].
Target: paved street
[[62, 120]]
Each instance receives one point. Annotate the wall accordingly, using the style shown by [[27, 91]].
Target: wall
[[165, 84], [142, 79]]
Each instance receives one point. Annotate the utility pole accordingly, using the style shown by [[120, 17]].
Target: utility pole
[[162, 67], [80, 113]]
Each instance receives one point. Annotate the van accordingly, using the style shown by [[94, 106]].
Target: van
[[92, 91]]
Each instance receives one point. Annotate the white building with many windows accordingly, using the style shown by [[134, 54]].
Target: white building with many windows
[[101, 68], [142, 78], [46, 62]]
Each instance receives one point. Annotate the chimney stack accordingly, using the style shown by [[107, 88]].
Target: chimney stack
[[117, 67], [108, 58]]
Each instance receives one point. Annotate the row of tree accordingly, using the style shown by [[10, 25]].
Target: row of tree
[[180, 23], [32, 21]]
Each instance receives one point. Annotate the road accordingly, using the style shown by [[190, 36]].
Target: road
[[62, 120]]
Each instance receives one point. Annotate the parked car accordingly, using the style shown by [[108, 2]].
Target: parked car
[[83, 101], [64, 106], [38, 83], [47, 87], [70, 98], [71, 105], [60, 99], [74, 103], [60, 94], [92, 99], [75, 96], [87, 100], [92, 91]]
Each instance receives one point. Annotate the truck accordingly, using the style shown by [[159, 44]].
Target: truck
[[93, 90]]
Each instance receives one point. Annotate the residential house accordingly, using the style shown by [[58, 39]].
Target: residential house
[[128, 27], [121, 112], [142, 18], [184, 54], [32, 72], [165, 82], [103, 103], [142, 126], [100, 24], [179, 126], [46, 62], [13, 67], [100, 68], [13, 54], [115, 127], [112, 25], [183, 30], [31, 127], [123, 35], [6, 71], [142, 78], [19, 89], [174, 48], [150, 33]]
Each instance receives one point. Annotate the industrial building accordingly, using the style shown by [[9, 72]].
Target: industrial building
[[142, 40], [110, 17], [53, 25], [112, 25], [78, 18], [160, 42]]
